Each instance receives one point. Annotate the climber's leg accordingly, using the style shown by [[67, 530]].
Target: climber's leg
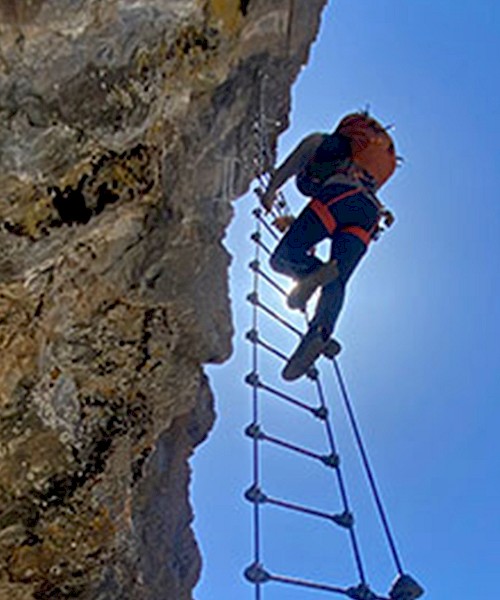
[[292, 256], [347, 250]]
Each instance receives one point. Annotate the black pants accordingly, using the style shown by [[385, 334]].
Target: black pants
[[346, 216]]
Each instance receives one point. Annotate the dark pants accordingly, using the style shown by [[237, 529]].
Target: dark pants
[[344, 216]]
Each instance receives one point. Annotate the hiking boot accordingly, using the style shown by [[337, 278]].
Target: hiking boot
[[304, 356], [405, 588], [306, 286]]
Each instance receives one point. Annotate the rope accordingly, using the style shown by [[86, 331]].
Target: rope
[[342, 488], [368, 468], [256, 417]]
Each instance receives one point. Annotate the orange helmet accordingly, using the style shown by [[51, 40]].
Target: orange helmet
[[372, 147]]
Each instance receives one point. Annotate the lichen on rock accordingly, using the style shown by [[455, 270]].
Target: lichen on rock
[[126, 131]]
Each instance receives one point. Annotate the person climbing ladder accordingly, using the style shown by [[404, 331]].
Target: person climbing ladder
[[341, 173]]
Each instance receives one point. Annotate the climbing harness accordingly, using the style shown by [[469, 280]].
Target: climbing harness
[[264, 284]]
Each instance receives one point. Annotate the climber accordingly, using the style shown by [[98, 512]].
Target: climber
[[341, 173]]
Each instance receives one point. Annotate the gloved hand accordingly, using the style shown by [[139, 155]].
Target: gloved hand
[[283, 223]]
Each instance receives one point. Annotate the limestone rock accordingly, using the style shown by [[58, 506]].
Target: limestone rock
[[126, 130]]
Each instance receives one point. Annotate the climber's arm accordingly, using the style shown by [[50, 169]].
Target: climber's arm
[[296, 161]]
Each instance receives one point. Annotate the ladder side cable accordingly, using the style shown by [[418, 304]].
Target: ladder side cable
[[256, 419], [368, 469]]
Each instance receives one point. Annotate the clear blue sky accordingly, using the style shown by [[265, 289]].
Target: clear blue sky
[[420, 328]]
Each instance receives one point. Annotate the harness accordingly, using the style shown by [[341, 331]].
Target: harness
[[321, 209]]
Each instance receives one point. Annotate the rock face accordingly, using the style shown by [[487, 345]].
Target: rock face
[[126, 129]]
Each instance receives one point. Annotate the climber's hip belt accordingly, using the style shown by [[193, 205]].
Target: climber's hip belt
[[346, 209]]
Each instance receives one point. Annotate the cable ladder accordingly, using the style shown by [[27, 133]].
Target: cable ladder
[[263, 237]]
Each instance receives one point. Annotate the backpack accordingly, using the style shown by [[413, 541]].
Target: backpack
[[360, 149], [331, 156], [372, 148]]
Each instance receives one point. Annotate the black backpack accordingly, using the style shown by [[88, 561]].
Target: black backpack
[[332, 155]]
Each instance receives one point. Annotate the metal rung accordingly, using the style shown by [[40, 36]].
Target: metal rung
[[307, 584], [252, 336], [277, 317], [258, 215], [359, 592], [332, 348], [312, 373], [271, 349], [253, 379], [345, 520], [257, 238], [255, 432], [271, 281], [253, 298], [289, 399], [256, 496], [255, 267], [330, 460]]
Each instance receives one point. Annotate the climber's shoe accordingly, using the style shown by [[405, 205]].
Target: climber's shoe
[[332, 348], [307, 285], [405, 588], [311, 346]]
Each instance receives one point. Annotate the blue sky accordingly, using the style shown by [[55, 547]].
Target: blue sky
[[420, 326]]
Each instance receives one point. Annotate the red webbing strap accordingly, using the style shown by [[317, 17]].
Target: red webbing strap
[[359, 232], [352, 192], [330, 223], [324, 215]]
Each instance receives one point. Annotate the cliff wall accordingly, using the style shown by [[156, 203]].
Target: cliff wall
[[126, 130]]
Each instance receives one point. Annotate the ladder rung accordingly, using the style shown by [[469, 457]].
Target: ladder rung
[[360, 592], [304, 583], [271, 349], [278, 318], [329, 460], [257, 238], [343, 520], [255, 267], [270, 230], [289, 399], [253, 298]]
